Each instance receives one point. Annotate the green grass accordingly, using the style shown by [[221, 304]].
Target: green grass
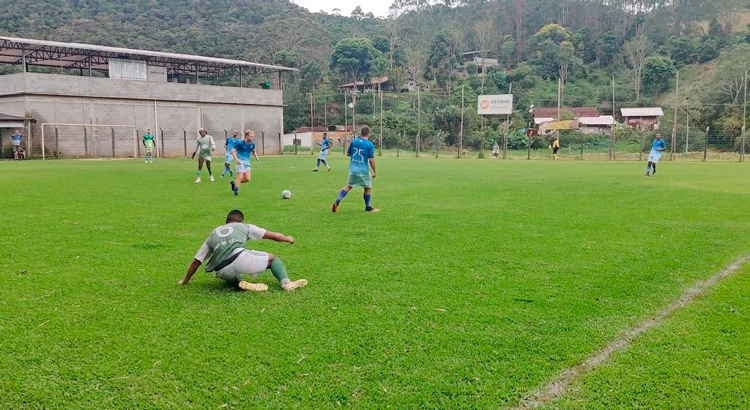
[[478, 282]]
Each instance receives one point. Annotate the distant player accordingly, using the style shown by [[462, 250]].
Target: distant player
[[362, 153], [148, 142], [229, 260], [16, 140], [555, 147], [241, 154], [657, 150], [228, 145], [495, 150], [325, 146], [204, 145]]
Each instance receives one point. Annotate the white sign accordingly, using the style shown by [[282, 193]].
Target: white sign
[[157, 74], [495, 104]]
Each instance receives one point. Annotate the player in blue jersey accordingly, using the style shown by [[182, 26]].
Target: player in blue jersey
[[241, 153], [228, 145], [657, 150], [362, 153], [325, 146]]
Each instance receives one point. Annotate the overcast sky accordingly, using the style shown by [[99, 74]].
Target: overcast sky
[[378, 7]]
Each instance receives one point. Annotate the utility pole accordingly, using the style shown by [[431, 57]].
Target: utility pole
[[672, 148], [461, 133], [614, 140], [559, 97], [346, 120], [744, 121]]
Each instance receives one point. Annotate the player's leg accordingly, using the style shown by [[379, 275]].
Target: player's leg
[[16, 148], [345, 190], [367, 197], [279, 272], [226, 168], [648, 168], [200, 169], [653, 167], [317, 165], [246, 176], [208, 167], [323, 161]]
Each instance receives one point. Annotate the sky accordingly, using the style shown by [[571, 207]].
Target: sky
[[378, 7]]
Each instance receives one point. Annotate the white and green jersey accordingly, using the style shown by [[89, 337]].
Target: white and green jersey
[[225, 239], [204, 145]]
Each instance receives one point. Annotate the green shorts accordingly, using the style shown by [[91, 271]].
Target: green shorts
[[365, 181]]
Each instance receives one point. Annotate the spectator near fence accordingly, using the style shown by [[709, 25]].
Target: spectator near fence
[[16, 139]]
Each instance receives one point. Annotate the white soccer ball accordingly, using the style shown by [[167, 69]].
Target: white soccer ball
[[286, 194]]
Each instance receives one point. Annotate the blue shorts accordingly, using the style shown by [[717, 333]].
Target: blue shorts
[[244, 166], [365, 181]]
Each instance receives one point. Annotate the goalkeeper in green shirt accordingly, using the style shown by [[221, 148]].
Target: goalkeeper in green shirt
[[148, 142]]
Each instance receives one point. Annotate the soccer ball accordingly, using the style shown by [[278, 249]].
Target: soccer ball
[[286, 194]]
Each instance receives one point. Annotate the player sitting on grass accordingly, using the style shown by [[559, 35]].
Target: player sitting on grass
[[359, 173], [229, 260], [657, 150], [241, 153], [204, 144], [228, 145], [325, 146]]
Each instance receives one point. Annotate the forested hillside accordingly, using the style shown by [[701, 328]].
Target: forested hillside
[[583, 43]]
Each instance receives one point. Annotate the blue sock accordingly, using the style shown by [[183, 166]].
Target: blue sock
[[367, 200], [199, 174], [342, 194], [648, 168], [318, 165]]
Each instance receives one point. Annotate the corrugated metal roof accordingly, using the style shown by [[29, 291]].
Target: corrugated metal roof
[[66, 52], [577, 112], [642, 112], [600, 120]]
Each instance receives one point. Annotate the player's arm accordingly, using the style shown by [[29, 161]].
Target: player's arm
[[278, 237], [255, 154], [197, 146], [213, 144], [234, 154], [194, 265], [372, 165]]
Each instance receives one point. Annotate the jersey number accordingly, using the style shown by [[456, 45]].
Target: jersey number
[[357, 155]]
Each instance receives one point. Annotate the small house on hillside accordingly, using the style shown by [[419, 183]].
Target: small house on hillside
[[542, 115], [646, 118], [475, 57], [596, 125], [369, 87]]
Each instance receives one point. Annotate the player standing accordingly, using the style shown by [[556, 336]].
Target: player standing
[[148, 142], [241, 153], [657, 150], [325, 146], [204, 144], [555, 147], [228, 145], [362, 152], [16, 140], [229, 259]]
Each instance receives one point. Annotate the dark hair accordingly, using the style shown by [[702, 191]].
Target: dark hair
[[325, 134], [365, 131], [235, 215]]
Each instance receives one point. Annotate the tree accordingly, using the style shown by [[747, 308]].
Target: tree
[[357, 13], [730, 73], [353, 57], [507, 51], [635, 52], [443, 58], [555, 51], [657, 71], [606, 49], [310, 76]]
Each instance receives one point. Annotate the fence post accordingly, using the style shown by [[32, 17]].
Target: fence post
[[57, 149], [640, 153], [581, 146], [263, 142], [113, 141], [528, 149], [137, 145], [161, 131], [295, 143], [398, 145], [705, 144], [184, 140], [85, 142], [226, 134], [437, 143], [281, 147]]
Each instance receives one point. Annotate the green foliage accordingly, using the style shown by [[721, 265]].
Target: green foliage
[[443, 58], [354, 58], [657, 71]]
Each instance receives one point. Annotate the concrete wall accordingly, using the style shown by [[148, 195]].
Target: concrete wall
[[172, 110]]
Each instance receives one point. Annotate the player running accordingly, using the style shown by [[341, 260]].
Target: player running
[[361, 152], [228, 145], [325, 146], [657, 150], [148, 142], [204, 144], [229, 260], [555, 147], [241, 153]]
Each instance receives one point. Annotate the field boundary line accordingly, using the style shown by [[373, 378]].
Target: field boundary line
[[558, 386]]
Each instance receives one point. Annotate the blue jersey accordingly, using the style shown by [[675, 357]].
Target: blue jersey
[[244, 150], [326, 144], [16, 138], [659, 143], [229, 144], [360, 151]]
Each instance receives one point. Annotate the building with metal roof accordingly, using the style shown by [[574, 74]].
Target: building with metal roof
[[111, 95]]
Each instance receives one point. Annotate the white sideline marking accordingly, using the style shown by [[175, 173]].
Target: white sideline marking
[[557, 387]]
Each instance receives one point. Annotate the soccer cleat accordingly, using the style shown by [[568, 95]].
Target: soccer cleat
[[232, 184], [254, 287], [315, 170], [291, 286], [212, 178], [329, 169], [647, 174], [197, 180], [335, 207], [371, 209]]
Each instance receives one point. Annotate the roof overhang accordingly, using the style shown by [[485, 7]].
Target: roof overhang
[[84, 56]]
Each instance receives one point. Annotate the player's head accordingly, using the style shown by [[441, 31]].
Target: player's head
[[18, 132], [658, 136], [235, 133], [202, 132], [249, 135], [325, 135], [235, 215], [148, 131], [365, 132]]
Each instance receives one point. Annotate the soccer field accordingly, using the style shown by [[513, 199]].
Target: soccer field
[[477, 284]]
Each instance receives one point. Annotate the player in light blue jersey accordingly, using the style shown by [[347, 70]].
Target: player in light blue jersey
[[657, 150], [228, 145], [241, 153], [325, 146], [362, 153]]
